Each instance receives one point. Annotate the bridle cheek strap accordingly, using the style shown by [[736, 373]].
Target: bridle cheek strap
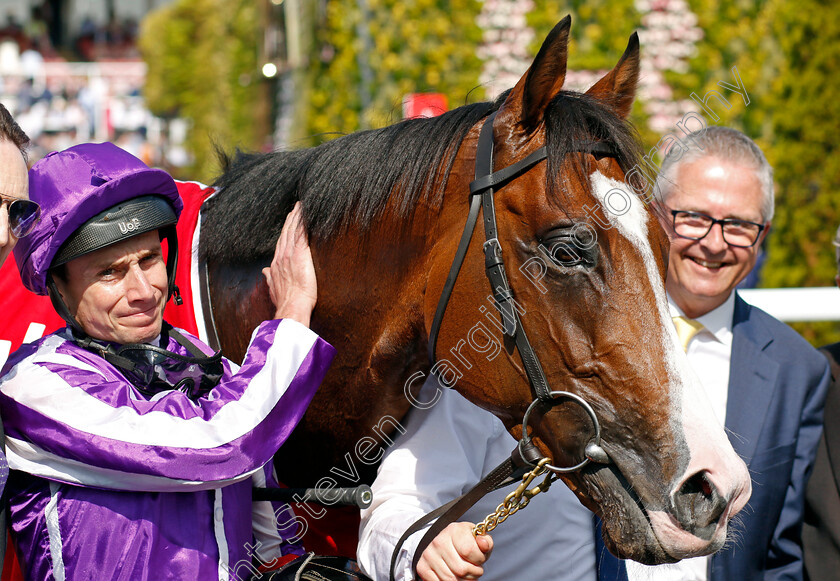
[[526, 453], [494, 265], [481, 191]]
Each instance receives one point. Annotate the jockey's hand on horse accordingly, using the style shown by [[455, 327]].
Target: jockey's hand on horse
[[455, 554], [291, 276]]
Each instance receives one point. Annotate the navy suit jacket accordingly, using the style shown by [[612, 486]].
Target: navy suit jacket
[[774, 411], [777, 388]]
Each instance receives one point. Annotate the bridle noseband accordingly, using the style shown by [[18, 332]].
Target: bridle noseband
[[481, 192]]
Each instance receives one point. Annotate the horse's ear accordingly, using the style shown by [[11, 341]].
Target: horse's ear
[[618, 87], [543, 80]]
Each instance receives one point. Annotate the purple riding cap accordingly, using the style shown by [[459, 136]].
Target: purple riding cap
[[74, 185]]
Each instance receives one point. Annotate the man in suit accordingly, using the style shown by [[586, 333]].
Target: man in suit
[[821, 531], [766, 384]]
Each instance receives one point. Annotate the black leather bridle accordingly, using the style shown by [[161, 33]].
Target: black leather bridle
[[481, 192], [526, 455]]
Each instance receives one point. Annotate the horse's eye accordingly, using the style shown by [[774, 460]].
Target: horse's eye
[[564, 252]]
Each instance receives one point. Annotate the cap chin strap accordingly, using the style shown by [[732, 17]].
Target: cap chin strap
[[61, 307], [80, 337], [112, 354], [139, 364], [108, 351], [171, 235]]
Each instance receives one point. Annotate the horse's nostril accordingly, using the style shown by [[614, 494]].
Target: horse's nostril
[[706, 486], [698, 506], [699, 483]]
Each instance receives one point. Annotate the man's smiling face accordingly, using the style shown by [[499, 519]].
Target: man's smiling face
[[702, 273]]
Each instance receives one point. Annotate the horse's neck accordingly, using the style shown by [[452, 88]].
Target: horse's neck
[[373, 285]]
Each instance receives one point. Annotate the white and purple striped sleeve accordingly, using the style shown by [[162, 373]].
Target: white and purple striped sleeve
[[69, 416]]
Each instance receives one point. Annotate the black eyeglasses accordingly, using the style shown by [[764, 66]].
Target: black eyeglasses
[[696, 226], [23, 214]]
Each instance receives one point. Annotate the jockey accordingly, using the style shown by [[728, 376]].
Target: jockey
[[133, 447]]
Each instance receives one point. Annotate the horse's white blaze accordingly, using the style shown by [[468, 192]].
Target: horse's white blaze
[[708, 447]]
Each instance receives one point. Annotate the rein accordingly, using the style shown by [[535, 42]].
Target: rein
[[526, 462]]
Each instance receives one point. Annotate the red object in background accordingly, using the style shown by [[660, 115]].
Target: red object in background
[[193, 194], [11, 566], [424, 105], [22, 310]]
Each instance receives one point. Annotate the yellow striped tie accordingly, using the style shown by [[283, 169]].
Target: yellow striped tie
[[686, 330]]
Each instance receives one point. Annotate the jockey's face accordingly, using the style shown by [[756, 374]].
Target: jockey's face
[[118, 293]]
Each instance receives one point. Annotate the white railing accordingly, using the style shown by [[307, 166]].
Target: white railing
[[797, 304]]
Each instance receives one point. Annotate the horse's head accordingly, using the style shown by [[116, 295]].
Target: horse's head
[[586, 260]]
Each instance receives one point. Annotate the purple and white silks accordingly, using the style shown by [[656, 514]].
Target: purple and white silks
[[126, 487]]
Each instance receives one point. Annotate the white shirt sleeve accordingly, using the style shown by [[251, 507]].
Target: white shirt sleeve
[[442, 455]]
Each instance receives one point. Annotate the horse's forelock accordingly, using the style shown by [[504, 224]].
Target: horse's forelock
[[573, 117]]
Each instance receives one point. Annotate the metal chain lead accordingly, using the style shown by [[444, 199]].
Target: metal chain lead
[[518, 499]]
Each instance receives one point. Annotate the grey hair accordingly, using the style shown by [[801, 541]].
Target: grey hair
[[723, 143]]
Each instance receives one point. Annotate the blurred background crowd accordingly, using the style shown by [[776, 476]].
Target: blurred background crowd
[[72, 72]]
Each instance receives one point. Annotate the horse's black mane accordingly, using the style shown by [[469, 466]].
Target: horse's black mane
[[348, 181]]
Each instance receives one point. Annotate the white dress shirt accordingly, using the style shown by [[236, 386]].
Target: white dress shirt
[[444, 452], [709, 353]]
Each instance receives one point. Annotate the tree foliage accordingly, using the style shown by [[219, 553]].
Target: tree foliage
[[202, 66], [599, 35], [787, 55], [385, 49], [600, 29]]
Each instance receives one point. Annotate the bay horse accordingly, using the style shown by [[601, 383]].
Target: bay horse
[[384, 210]]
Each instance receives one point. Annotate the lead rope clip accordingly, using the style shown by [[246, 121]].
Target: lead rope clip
[[518, 499]]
